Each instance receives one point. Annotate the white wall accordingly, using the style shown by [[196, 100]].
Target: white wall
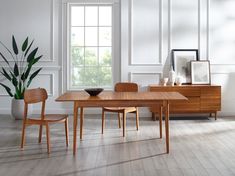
[[208, 25], [149, 30]]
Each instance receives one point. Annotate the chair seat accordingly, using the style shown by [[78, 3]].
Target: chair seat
[[55, 117], [50, 118], [119, 109]]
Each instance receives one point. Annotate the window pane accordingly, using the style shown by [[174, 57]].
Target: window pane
[[77, 36], [105, 76], [90, 76], [105, 38], [105, 56], [90, 46], [91, 16], [77, 56], [91, 58], [77, 73], [105, 16], [91, 36], [77, 16]]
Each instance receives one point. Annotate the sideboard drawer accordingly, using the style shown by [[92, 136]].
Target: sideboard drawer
[[201, 98]]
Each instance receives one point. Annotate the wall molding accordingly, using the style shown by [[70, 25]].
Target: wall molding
[[130, 45], [170, 26], [51, 92], [157, 75]]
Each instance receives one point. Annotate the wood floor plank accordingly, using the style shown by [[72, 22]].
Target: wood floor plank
[[198, 147]]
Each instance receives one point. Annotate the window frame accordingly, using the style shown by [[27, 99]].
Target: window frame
[[115, 66]]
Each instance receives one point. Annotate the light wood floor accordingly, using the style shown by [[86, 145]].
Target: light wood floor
[[197, 147]]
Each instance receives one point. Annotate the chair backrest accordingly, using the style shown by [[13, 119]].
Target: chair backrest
[[35, 95], [126, 87]]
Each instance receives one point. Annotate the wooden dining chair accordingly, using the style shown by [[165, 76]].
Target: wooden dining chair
[[39, 95], [122, 87]]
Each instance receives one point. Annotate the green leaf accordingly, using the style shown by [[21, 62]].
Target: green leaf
[[18, 94], [23, 91], [16, 70], [14, 81], [25, 44], [32, 76], [14, 45], [32, 55], [37, 59], [22, 77], [27, 72], [7, 89], [26, 52], [4, 58], [4, 73], [20, 86]]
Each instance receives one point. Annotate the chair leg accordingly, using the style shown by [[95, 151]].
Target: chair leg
[[137, 119], [124, 124], [23, 134], [66, 132], [40, 134], [119, 120], [103, 122], [48, 138]]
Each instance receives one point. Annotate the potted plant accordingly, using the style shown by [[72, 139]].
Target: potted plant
[[17, 71]]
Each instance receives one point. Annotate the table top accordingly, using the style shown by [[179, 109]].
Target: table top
[[120, 96], [184, 85]]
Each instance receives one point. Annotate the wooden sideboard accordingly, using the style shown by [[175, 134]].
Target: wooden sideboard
[[201, 99]]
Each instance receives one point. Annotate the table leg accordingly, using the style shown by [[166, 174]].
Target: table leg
[[75, 119], [167, 126], [160, 122], [124, 124], [81, 121]]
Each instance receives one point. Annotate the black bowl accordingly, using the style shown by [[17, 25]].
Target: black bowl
[[94, 91]]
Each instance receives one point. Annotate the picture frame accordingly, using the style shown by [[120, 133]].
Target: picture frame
[[200, 72], [181, 59]]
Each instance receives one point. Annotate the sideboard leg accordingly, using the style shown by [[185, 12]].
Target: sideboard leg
[[153, 116], [215, 115]]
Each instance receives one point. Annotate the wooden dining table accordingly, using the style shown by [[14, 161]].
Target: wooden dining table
[[83, 100]]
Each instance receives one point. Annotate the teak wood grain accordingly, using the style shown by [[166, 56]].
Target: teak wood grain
[[115, 99], [201, 98], [122, 87], [39, 95]]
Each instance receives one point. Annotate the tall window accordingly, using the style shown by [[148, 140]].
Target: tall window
[[90, 46]]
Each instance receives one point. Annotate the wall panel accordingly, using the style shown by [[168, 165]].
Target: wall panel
[[28, 18], [145, 78], [145, 32], [184, 24], [222, 27]]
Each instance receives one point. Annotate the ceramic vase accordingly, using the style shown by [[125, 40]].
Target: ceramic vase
[[172, 76], [17, 109]]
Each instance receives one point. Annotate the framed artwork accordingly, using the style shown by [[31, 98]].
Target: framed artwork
[[200, 72], [181, 59]]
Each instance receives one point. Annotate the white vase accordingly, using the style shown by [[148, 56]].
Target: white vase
[[17, 109], [179, 81], [172, 76]]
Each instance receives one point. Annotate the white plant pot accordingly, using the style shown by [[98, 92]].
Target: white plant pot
[[17, 109]]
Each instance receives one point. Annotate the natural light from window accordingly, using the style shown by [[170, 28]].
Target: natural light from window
[[90, 46]]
